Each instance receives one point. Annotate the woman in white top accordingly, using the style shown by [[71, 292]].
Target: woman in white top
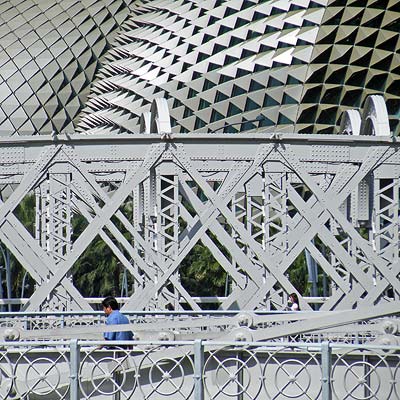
[[294, 302]]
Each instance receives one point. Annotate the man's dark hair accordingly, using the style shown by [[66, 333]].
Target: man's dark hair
[[110, 302]]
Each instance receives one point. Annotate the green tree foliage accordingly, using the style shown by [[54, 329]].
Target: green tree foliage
[[25, 212], [97, 273], [201, 274], [298, 275]]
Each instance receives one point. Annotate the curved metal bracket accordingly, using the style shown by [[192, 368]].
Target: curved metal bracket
[[375, 119], [145, 122], [350, 123], [160, 118]]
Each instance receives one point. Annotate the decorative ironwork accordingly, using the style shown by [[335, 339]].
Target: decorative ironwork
[[264, 199], [200, 370]]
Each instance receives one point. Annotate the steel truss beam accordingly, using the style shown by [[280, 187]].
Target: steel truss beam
[[256, 201]]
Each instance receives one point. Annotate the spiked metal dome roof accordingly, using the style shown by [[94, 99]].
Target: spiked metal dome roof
[[240, 65], [235, 65], [50, 51]]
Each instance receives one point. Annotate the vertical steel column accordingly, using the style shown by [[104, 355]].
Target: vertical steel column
[[139, 222], [198, 369], [275, 211], [167, 203], [151, 228], [54, 216], [326, 361], [239, 209], [74, 369]]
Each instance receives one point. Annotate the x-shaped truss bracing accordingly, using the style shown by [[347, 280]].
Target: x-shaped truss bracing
[[260, 229], [256, 202]]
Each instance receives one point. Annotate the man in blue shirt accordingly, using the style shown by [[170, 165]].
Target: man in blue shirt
[[114, 317]]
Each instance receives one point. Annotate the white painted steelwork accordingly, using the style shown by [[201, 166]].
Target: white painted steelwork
[[264, 199], [198, 370]]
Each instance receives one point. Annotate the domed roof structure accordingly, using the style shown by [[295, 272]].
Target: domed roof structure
[[234, 65], [241, 65], [50, 51]]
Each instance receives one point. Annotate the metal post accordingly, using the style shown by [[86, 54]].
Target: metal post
[[6, 257], [198, 369], [74, 368], [1, 289], [368, 393], [240, 384], [326, 361]]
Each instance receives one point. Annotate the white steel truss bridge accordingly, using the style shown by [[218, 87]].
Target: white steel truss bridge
[[258, 202]]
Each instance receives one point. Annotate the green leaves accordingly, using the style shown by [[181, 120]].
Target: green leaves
[[201, 274]]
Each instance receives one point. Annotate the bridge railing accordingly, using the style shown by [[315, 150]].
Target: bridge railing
[[189, 325], [198, 370]]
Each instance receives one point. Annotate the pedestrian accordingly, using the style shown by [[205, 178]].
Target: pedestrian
[[114, 317], [293, 302]]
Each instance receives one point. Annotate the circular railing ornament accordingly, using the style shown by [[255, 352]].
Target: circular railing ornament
[[389, 327], [292, 377], [6, 378], [166, 376], [396, 378], [243, 334], [39, 375], [389, 340], [114, 372], [11, 334], [166, 336], [233, 373], [367, 376], [245, 319]]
